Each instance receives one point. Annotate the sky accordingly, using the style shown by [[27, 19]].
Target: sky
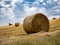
[[12, 11]]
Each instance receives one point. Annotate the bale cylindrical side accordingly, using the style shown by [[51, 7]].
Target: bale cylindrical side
[[36, 23]]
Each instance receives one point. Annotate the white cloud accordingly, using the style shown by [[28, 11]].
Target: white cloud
[[7, 6], [9, 12], [58, 2], [36, 2], [29, 10], [40, 0], [49, 1], [34, 9], [44, 3], [54, 10], [20, 1], [16, 1], [55, 0]]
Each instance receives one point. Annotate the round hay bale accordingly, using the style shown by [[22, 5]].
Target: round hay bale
[[54, 18], [36, 23], [17, 24], [10, 24]]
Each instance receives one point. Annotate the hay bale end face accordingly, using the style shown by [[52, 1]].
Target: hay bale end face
[[36, 23]]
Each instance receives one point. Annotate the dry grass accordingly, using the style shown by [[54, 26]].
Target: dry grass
[[11, 35], [11, 30], [54, 24], [47, 38]]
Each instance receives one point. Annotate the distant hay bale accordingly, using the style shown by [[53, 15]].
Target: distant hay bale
[[10, 24], [54, 18], [36, 23], [17, 24]]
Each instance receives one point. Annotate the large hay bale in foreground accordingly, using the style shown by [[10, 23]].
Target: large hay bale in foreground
[[36, 23]]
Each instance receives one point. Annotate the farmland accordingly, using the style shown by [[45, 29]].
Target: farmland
[[11, 35]]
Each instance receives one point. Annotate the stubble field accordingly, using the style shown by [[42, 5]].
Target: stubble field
[[11, 35]]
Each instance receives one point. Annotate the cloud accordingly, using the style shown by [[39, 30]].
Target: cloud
[[6, 11], [33, 9], [16, 1], [20, 1], [55, 10], [40, 0], [17, 10], [37, 8], [6, 14], [29, 10]]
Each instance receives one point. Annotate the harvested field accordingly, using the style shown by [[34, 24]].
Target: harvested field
[[54, 25], [19, 36], [47, 38], [12, 30]]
